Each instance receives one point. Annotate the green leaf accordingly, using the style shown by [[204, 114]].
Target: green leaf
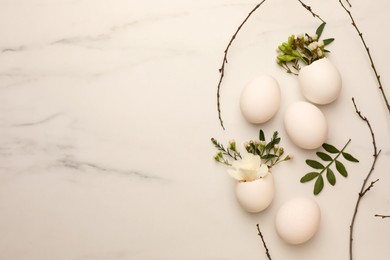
[[328, 41], [326, 51], [286, 58], [330, 176], [315, 164], [324, 156], [308, 52], [309, 176], [320, 29], [291, 39], [282, 48], [261, 135], [349, 157], [341, 168], [296, 54], [319, 185], [330, 148], [269, 156], [305, 60], [271, 144]]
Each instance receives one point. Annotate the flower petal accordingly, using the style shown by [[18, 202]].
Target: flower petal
[[235, 174], [263, 171]]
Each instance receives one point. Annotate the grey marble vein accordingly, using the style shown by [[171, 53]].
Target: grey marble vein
[[39, 122], [20, 48], [70, 163]]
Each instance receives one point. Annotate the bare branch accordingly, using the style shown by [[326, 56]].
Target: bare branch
[[382, 216], [363, 189], [264, 244], [224, 61], [378, 77], [310, 10]]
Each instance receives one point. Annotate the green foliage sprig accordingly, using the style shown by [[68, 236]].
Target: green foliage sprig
[[231, 152], [302, 48], [270, 153], [326, 157]]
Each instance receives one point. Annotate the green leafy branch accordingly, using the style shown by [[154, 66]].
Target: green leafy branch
[[270, 153], [326, 157], [302, 48], [231, 152]]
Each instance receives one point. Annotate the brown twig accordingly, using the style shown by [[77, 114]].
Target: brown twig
[[378, 77], [382, 216], [348, 3], [224, 61], [310, 10], [264, 244], [363, 189]]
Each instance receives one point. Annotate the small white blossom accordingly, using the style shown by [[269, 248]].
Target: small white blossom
[[314, 37], [319, 53], [305, 39], [300, 36], [312, 46], [249, 168], [321, 43]]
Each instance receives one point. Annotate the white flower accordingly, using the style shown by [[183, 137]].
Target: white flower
[[249, 168], [312, 46], [314, 37], [319, 53], [321, 43], [305, 38]]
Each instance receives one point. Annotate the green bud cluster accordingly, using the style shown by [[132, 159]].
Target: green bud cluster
[[302, 48]]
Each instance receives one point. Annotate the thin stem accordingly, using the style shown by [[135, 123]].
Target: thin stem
[[264, 244], [224, 61], [382, 216], [310, 10], [363, 189], [378, 77]]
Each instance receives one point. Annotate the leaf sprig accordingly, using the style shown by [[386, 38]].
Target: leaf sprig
[[270, 153], [231, 152], [326, 157], [302, 48]]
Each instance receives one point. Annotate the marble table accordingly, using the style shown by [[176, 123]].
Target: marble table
[[106, 113]]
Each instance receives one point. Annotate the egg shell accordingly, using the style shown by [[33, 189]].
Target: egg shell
[[298, 220], [256, 196], [260, 99], [320, 82], [305, 125]]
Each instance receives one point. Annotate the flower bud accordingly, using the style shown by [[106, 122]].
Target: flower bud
[[232, 144]]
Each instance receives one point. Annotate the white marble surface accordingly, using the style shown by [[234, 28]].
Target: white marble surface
[[107, 108]]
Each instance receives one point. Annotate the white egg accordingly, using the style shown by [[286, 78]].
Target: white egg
[[256, 196], [320, 82], [305, 125], [298, 220], [260, 99]]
